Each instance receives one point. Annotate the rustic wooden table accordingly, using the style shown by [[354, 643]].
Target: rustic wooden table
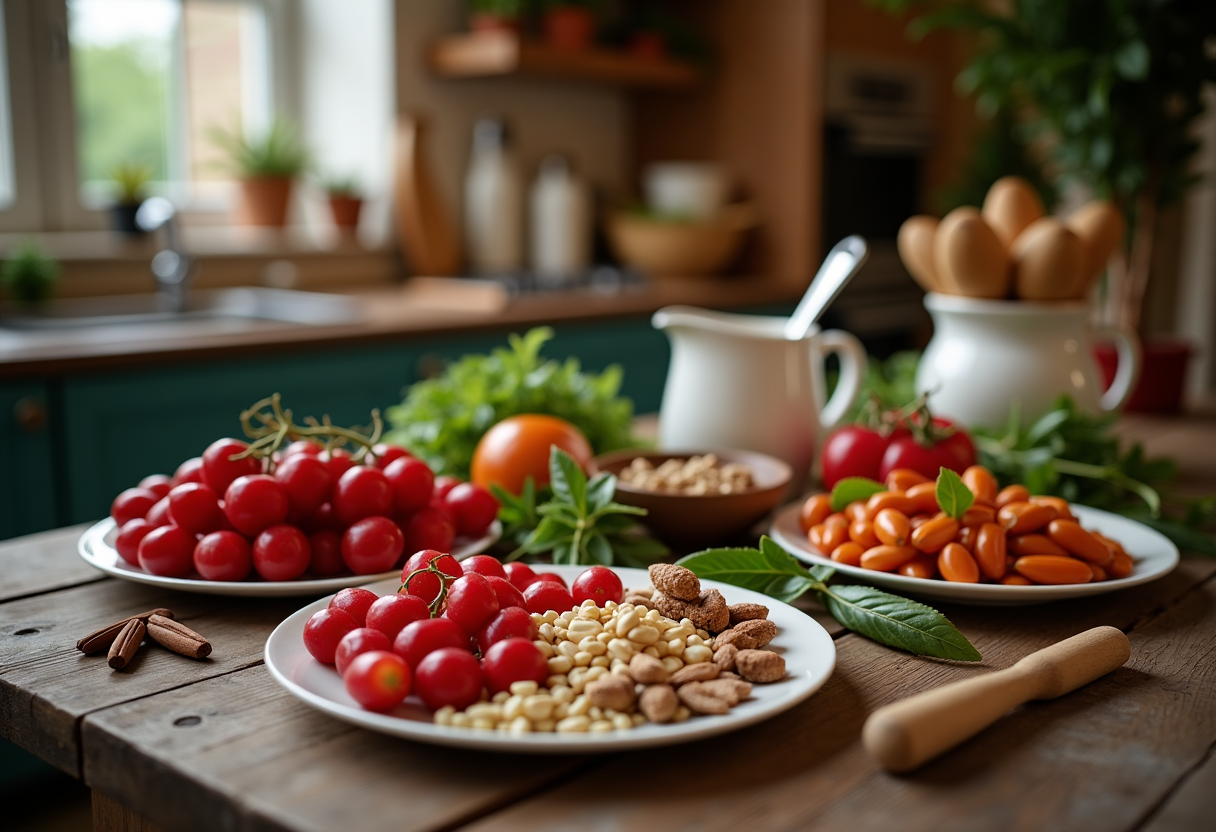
[[217, 744]]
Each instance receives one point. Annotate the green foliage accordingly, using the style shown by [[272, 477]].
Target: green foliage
[[347, 186], [130, 179], [893, 381], [442, 419], [28, 275], [850, 489], [278, 151], [953, 496], [508, 9], [885, 618]]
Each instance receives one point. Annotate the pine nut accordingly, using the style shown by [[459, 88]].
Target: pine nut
[[582, 658], [601, 726], [539, 706], [574, 725], [697, 653], [560, 664], [643, 635]]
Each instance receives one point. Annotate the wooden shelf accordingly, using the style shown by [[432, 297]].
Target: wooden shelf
[[496, 54]]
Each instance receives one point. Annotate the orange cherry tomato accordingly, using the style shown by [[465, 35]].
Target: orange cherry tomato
[[978, 515], [1120, 566], [921, 566], [848, 553], [1014, 579], [936, 533], [901, 479], [990, 550], [1099, 572], [892, 527], [956, 564], [518, 447], [923, 498], [981, 483], [856, 510], [1115, 546], [1023, 517], [1063, 509], [861, 531], [1012, 494], [1051, 569], [966, 537], [886, 558], [814, 511], [1035, 544], [888, 499], [1078, 542], [829, 534]]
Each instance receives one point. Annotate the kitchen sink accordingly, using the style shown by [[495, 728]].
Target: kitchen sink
[[218, 305]]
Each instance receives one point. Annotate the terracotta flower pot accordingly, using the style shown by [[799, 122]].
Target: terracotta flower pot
[[264, 201], [490, 22], [345, 210], [1162, 379], [570, 28]]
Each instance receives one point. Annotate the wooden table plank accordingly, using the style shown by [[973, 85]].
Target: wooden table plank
[[1189, 807], [239, 753], [785, 773], [46, 686], [43, 562]]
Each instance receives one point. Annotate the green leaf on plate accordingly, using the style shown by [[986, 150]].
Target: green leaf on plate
[[851, 489], [897, 622], [953, 497], [770, 570]]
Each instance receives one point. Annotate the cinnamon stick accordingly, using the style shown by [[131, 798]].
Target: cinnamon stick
[[178, 637], [128, 641], [99, 640]]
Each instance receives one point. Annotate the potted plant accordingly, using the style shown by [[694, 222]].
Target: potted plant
[[130, 183], [1113, 89], [267, 165], [569, 25], [28, 275], [345, 202], [495, 15]]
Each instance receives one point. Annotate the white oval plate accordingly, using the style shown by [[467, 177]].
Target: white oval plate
[[96, 546], [810, 656], [1153, 553]]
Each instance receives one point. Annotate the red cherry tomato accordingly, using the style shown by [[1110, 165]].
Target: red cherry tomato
[[443, 485], [132, 504], [429, 528], [955, 452], [378, 680], [508, 595], [391, 613], [599, 584], [362, 492], [158, 515], [412, 483], [426, 584], [223, 556], [512, 622], [158, 484], [474, 508], [324, 630], [418, 639], [338, 461], [326, 547], [449, 676], [322, 520], [357, 642], [355, 601], [854, 451], [306, 480], [280, 553], [253, 503], [551, 576], [513, 660], [302, 446], [129, 537], [219, 469], [383, 453], [519, 574], [374, 544], [167, 551], [483, 565], [196, 508], [189, 471], [543, 596], [471, 602]]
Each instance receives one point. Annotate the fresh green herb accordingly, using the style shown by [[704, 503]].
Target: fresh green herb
[[891, 382], [582, 524], [953, 497], [442, 419], [130, 181], [28, 275], [517, 513], [851, 489], [279, 151], [885, 618]]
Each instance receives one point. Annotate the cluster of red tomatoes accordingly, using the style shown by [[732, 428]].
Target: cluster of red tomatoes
[[916, 443], [319, 513], [387, 647]]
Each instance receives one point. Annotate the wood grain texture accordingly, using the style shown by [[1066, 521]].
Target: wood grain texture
[[46, 686], [806, 768], [43, 562], [111, 816], [1189, 806], [238, 752]]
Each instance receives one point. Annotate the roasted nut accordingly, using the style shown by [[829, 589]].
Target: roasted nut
[[736, 638], [647, 670], [732, 691], [698, 475], [675, 581], [708, 612], [639, 601], [695, 673], [724, 656], [615, 692], [760, 666], [763, 631], [659, 703], [717, 613], [701, 701], [747, 612]]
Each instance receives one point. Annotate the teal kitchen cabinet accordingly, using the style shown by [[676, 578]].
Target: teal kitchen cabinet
[[27, 459]]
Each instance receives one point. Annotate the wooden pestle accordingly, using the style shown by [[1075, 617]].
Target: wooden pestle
[[907, 734]]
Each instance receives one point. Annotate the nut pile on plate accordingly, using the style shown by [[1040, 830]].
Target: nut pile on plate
[[695, 476]]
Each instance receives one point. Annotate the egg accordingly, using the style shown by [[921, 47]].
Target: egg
[[1048, 262], [1010, 206], [970, 259], [1100, 227], [915, 244]]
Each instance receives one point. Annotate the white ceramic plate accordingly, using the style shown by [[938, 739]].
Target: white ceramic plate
[[809, 654], [1153, 553], [96, 546]]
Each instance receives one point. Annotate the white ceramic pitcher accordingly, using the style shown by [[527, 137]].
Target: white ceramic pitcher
[[987, 354], [736, 382]]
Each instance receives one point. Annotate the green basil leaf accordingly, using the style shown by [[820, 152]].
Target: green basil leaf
[[953, 497], [545, 536], [774, 573], [560, 512], [597, 549], [898, 622], [822, 573], [850, 489], [620, 508], [568, 480], [565, 552], [600, 491]]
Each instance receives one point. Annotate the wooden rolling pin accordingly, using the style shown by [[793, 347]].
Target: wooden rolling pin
[[907, 734]]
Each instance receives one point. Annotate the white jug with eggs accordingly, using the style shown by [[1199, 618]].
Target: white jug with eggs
[[988, 351]]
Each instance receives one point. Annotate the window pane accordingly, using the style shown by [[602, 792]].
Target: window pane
[[8, 191]]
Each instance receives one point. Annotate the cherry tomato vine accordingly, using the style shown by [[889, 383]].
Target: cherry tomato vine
[[268, 425]]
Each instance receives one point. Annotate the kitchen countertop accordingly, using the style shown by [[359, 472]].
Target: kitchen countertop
[[421, 308], [217, 744]]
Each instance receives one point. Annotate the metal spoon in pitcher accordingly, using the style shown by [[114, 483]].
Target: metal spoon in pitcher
[[844, 260]]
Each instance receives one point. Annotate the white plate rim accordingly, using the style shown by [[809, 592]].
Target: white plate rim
[[808, 637], [97, 551], [1154, 554]]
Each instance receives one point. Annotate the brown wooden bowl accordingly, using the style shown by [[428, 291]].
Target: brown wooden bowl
[[701, 520]]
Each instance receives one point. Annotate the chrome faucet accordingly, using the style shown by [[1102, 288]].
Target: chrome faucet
[[172, 267]]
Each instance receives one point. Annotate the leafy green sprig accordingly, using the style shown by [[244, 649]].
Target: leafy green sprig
[[888, 619]]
